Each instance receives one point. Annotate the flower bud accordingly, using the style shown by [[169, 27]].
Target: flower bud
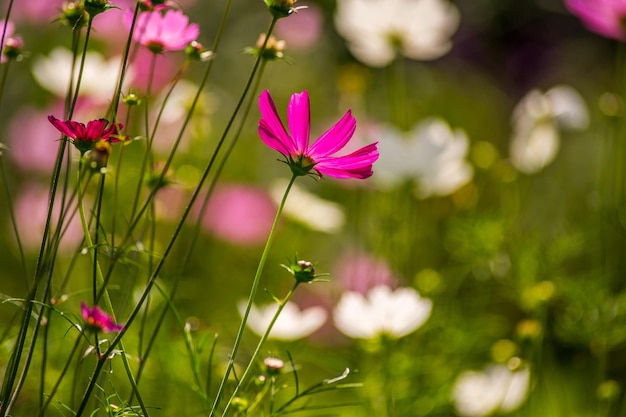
[[95, 7], [280, 8], [273, 48], [98, 157], [196, 52], [132, 99], [74, 14], [13, 48], [273, 366], [239, 404], [302, 271]]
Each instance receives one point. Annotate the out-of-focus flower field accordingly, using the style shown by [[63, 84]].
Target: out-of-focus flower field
[[478, 271]]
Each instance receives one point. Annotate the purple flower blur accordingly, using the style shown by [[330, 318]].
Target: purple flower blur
[[302, 157], [97, 320], [604, 17], [162, 32]]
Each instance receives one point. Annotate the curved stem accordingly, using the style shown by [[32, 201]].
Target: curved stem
[[259, 345], [251, 297]]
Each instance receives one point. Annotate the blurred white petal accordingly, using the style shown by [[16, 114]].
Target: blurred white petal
[[308, 209], [496, 388], [382, 311], [432, 154], [375, 29], [98, 80], [292, 324], [536, 121]]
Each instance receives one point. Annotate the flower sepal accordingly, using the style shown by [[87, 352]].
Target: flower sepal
[[95, 7], [282, 8]]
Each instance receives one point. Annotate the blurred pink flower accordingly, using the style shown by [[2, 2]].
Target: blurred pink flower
[[29, 139], [97, 320], [240, 214], [303, 29], [31, 208], [162, 32], [36, 12], [359, 272], [85, 137], [302, 157], [142, 65], [605, 17]]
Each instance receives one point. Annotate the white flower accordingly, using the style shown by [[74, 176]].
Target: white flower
[[496, 388], [431, 153], [292, 323], [377, 29], [382, 311], [308, 209], [99, 75], [537, 120]]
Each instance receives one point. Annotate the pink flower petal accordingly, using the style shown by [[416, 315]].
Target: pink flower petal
[[298, 115], [273, 126], [335, 138]]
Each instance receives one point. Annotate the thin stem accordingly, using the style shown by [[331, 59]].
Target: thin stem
[[251, 297], [259, 345], [61, 376], [148, 155]]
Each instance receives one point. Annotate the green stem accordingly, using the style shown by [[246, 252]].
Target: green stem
[[61, 376], [251, 297], [259, 346], [148, 155]]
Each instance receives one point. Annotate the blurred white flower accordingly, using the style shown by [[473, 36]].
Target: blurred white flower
[[377, 29], [431, 153], [308, 209], [537, 120], [382, 311], [292, 324], [99, 74], [496, 388]]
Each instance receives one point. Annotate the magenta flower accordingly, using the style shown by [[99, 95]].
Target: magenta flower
[[97, 320], [161, 32], [605, 17], [86, 137], [301, 157]]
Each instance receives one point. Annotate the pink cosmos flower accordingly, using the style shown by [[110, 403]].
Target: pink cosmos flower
[[85, 137], [605, 17], [302, 157], [97, 320], [161, 32]]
